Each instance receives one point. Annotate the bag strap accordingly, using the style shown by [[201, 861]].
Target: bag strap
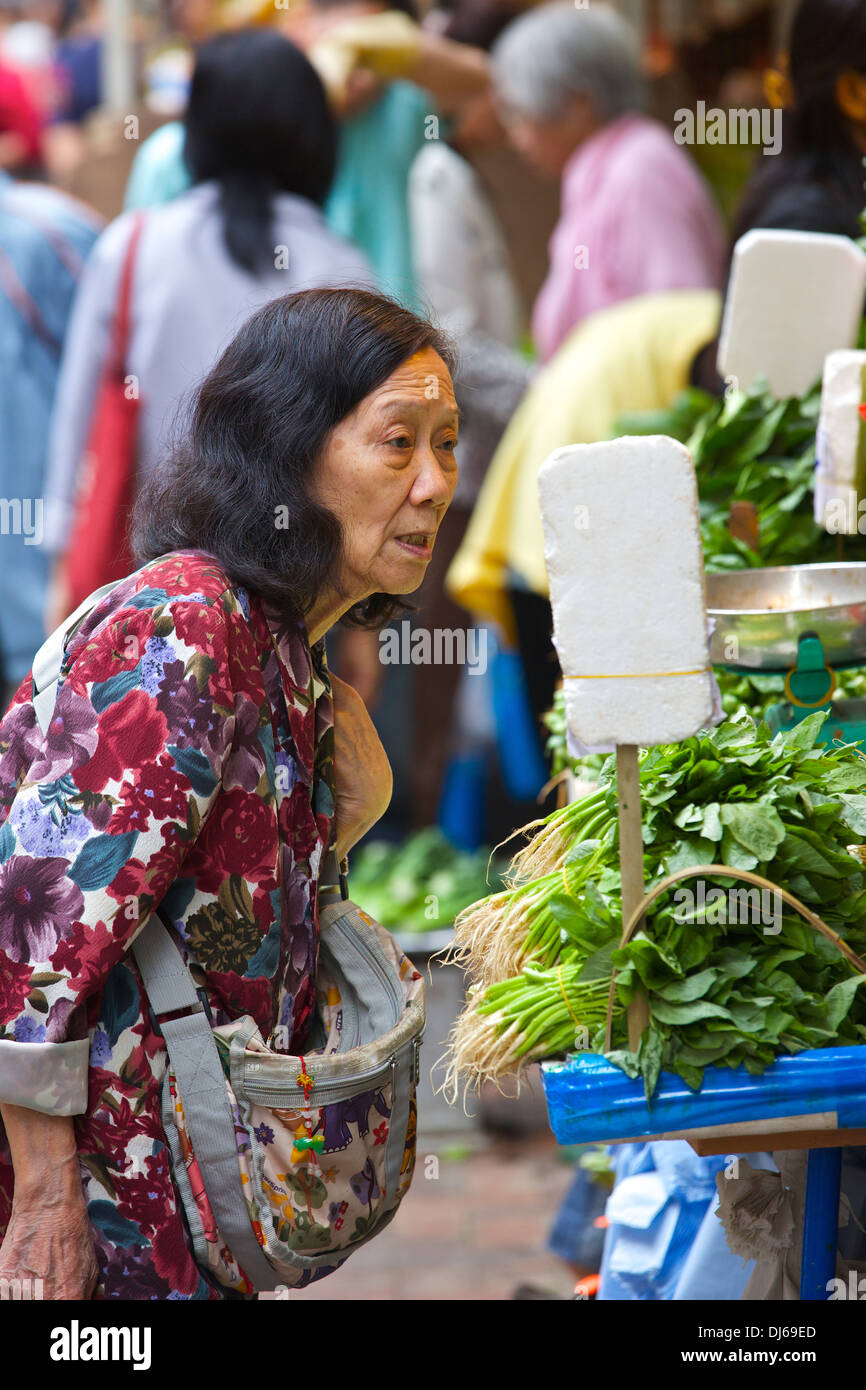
[[25, 304], [67, 254], [120, 328], [201, 1081]]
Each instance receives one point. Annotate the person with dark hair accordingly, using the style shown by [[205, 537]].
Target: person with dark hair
[[261, 143], [385, 77], [208, 762], [816, 183]]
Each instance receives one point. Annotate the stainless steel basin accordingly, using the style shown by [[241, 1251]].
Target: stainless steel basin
[[761, 614]]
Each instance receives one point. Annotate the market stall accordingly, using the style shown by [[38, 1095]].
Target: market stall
[[683, 943]]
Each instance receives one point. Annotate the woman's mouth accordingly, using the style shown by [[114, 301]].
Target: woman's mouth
[[417, 543]]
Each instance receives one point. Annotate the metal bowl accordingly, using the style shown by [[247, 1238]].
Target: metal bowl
[[760, 615]]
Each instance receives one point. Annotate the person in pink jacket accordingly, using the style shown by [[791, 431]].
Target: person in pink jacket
[[636, 215]]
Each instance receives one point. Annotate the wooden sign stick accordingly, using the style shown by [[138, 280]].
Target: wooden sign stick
[[631, 863]]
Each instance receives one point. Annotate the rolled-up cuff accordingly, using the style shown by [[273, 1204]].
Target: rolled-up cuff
[[51, 1077]]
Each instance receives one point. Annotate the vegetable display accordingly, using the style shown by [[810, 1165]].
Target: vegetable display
[[741, 691], [750, 447], [730, 979], [421, 885]]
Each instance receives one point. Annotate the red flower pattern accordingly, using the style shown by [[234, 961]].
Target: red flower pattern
[[143, 814]]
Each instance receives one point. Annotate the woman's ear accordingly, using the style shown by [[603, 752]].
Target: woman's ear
[[851, 95]]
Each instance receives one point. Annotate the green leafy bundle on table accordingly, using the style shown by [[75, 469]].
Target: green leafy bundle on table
[[421, 885], [749, 447], [721, 992]]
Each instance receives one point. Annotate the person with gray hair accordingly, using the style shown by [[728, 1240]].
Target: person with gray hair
[[636, 215]]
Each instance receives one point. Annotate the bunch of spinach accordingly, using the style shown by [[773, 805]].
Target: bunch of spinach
[[725, 991], [749, 447], [730, 981]]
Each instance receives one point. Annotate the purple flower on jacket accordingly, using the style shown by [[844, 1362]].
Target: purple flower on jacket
[[264, 1134], [100, 813], [39, 834], [285, 772], [246, 762], [70, 739], [100, 1048], [37, 901], [186, 714], [28, 1030], [156, 653], [24, 737]]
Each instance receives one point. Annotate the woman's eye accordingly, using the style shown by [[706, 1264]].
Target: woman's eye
[[402, 441], [449, 444]]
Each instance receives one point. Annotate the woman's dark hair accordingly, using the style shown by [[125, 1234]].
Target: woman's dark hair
[[260, 419], [259, 123], [479, 22], [816, 183]]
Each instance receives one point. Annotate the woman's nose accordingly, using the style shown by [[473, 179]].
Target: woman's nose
[[433, 483]]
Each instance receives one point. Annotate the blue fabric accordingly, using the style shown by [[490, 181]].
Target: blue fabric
[[668, 1243], [28, 377], [80, 60], [158, 172], [590, 1099], [521, 757], [573, 1236], [368, 202]]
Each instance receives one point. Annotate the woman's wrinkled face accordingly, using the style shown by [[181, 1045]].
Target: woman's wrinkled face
[[388, 474], [548, 143]]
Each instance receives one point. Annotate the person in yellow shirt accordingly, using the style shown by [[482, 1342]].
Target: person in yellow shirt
[[635, 356]]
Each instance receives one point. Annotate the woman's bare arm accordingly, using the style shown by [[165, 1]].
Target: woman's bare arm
[[48, 1238]]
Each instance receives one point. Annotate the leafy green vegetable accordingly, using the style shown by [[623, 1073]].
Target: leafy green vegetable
[[421, 885], [750, 447], [733, 977]]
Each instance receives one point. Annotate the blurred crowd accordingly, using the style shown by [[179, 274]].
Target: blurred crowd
[[511, 170]]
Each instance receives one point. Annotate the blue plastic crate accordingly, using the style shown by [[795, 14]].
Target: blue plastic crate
[[589, 1100]]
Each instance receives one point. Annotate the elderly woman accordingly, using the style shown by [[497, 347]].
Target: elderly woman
[[201, 757], [636, 215]]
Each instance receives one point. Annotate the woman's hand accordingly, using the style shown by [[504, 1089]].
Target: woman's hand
[[48, 1236], [363, 773], [49, 1240]]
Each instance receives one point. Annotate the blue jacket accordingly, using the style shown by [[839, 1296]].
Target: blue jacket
[[44, 239]]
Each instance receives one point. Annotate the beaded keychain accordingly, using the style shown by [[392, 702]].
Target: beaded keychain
[[311, 1143]]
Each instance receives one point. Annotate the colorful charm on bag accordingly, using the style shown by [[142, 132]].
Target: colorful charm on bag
[[306, 1143]]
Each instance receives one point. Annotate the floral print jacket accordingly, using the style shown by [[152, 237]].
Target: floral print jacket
[[188, 763]]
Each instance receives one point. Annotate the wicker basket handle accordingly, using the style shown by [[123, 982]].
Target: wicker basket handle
[[724, 871]]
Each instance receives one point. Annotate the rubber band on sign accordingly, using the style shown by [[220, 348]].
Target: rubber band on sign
[[565, 997], [640, 675]]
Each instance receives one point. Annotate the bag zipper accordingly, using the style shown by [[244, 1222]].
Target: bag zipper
[[357, 942], [276, 1092]]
